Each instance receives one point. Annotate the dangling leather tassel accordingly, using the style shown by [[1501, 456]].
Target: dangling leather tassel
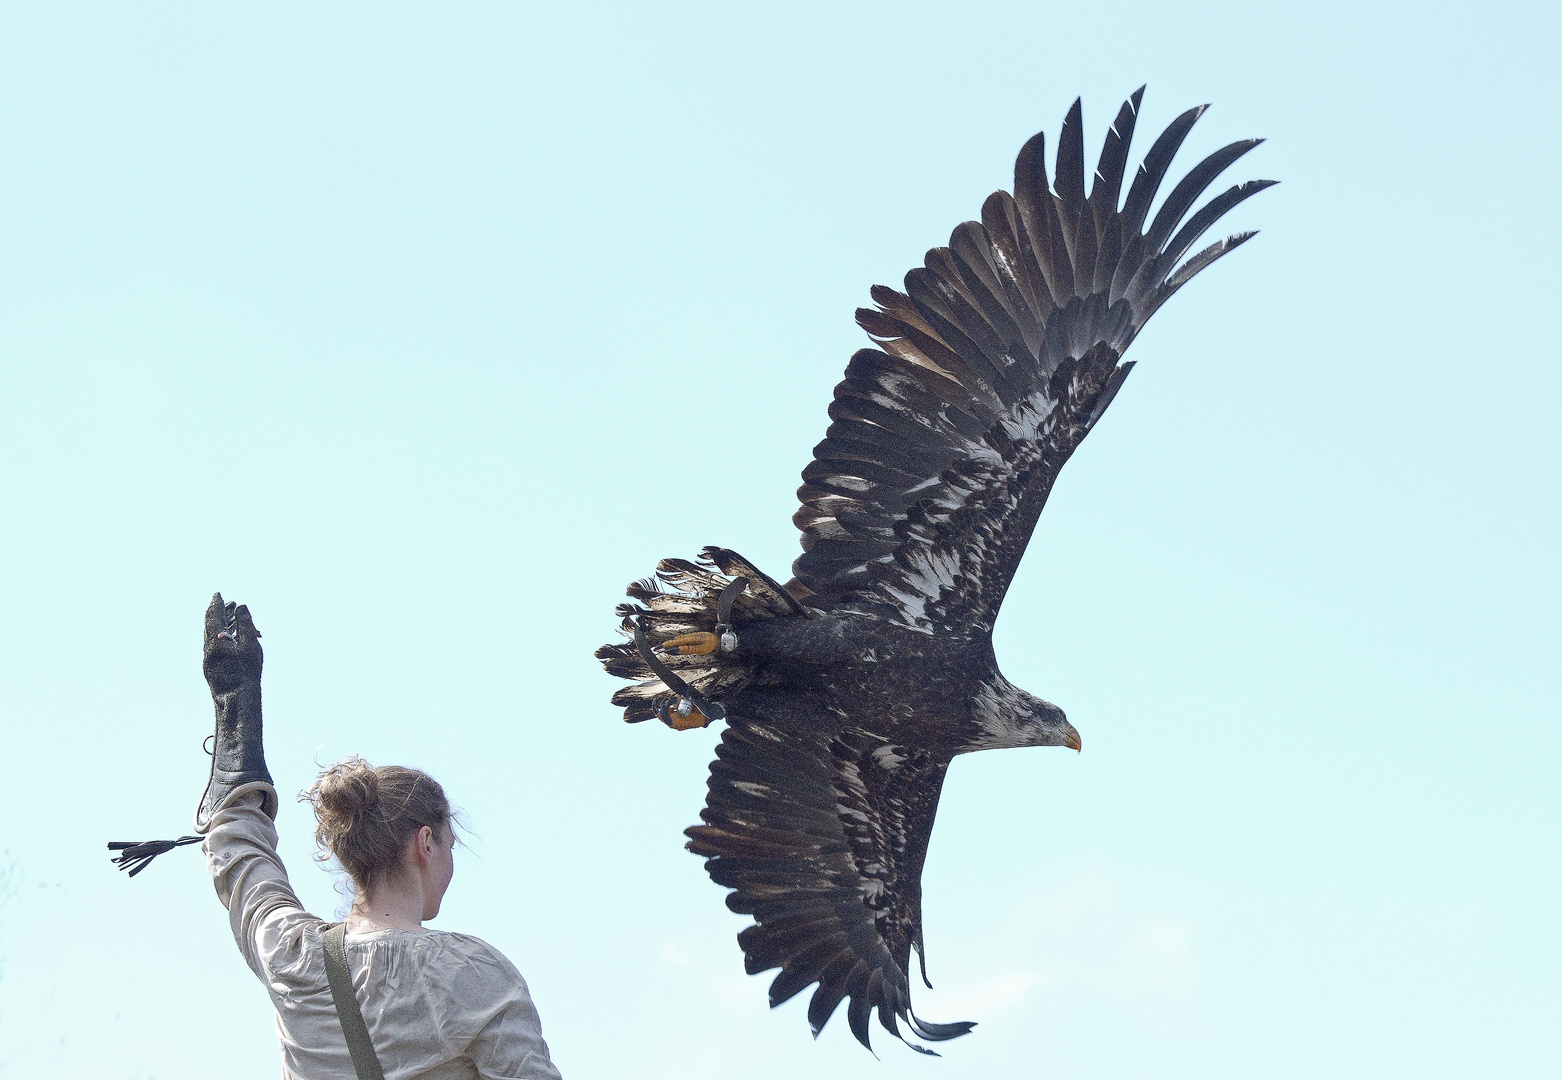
[[135, 857]]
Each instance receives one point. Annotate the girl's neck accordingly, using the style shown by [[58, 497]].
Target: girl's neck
[[387, 907]]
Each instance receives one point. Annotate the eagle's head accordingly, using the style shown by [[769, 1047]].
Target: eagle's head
[[1007, 716]]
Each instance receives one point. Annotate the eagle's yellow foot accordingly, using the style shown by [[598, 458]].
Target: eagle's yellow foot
[[698, 644], [684, 716]]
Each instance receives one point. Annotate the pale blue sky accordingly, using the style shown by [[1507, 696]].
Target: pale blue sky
[[424, 329]]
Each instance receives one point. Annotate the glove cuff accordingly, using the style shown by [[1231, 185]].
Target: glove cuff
[[238, 756]]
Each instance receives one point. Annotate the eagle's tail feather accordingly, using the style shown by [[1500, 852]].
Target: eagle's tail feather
[[683, 598]]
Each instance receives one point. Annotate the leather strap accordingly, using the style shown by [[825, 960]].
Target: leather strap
[[366, 1062]]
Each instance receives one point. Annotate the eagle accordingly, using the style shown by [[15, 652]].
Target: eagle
[[847, 691]]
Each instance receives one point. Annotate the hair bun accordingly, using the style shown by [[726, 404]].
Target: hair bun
[[364, 815], [348, 789]]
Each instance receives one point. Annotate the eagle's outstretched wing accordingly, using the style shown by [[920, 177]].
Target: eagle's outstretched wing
[[821, 837], [994, 364]]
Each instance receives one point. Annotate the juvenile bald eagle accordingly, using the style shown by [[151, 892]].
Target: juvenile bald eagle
[[848, 691]]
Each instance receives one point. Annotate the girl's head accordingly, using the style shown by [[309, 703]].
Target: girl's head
[[384, 823]]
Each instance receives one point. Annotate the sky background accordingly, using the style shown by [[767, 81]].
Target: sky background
[[424, 329]]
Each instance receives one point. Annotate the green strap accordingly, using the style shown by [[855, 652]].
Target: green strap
[[365, 1062]]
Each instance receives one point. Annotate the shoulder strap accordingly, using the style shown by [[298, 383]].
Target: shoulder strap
[[365, 1062]]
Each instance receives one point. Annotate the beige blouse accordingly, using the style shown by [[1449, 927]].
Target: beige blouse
[[438, 1005]]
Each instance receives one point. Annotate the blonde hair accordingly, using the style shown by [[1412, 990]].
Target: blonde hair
[[364, 815]]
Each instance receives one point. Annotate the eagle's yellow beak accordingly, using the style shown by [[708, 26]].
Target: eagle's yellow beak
[[1071, 740]]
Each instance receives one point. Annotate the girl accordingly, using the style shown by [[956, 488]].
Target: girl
[[436, 1004]]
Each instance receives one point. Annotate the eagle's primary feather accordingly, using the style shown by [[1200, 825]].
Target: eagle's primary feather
[[859, 681], [992, 366]]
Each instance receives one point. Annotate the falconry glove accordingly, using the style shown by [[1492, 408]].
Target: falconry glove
[[231, 662]]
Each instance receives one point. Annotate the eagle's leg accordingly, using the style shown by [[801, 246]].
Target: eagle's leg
[[725, 638], [693, 710]]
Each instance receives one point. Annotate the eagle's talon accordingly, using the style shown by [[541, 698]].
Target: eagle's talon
[[682, 717], [696, 644]]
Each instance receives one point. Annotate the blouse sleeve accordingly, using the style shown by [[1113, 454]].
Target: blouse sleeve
[[264, 912], [503, 1032]]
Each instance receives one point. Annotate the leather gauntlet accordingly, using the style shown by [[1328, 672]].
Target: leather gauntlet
[[231, 661]]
